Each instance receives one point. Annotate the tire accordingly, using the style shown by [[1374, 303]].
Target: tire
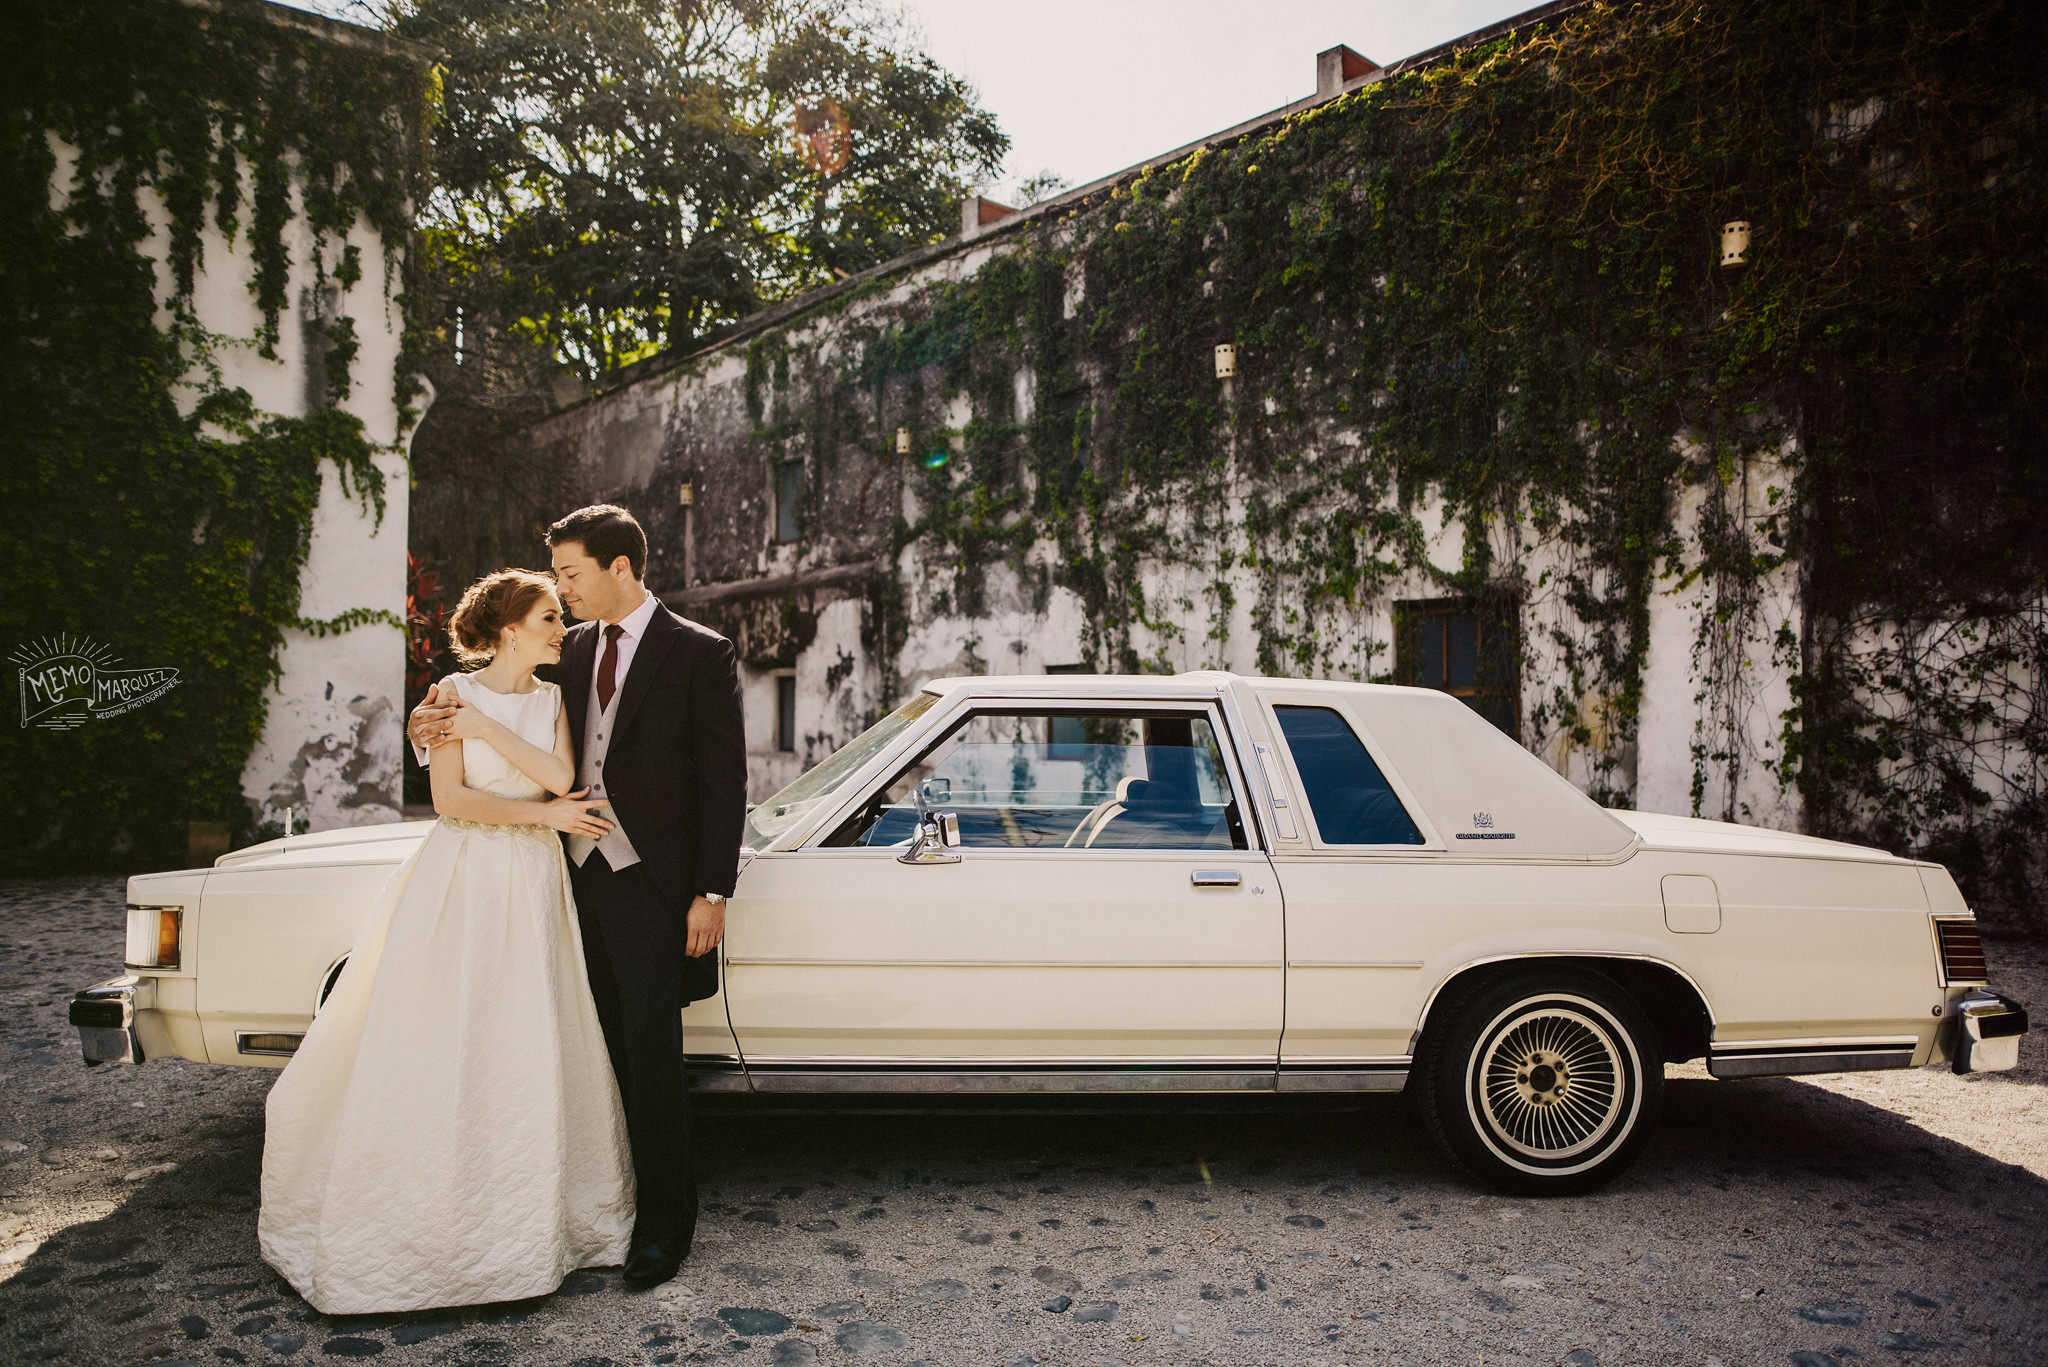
[[1545, 1084], [327, 983]]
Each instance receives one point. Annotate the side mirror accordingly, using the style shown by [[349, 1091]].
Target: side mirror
[[936, 836]]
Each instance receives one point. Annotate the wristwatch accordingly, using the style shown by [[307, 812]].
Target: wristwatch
[[716, 899]]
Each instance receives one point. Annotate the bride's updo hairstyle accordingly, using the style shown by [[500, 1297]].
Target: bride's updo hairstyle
[[500, 599]]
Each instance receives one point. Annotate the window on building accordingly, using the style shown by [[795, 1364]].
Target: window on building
[[785, 712], [789, 488], [1465, 648], [1066, 439]]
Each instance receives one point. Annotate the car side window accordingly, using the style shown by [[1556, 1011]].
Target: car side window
[[1351, 799], [1064, 779]]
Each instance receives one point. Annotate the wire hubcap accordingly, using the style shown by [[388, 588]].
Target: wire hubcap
[[1551, 1082]]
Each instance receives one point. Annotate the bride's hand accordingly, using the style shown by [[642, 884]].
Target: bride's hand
[[574, 815]]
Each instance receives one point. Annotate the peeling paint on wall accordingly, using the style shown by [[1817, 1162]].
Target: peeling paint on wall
[[347, 772]]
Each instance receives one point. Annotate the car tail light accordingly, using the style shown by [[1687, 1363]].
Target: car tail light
[[153, 936], [1962, 951]]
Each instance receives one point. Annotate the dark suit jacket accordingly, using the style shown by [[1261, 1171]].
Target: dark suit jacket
[[676, 771]]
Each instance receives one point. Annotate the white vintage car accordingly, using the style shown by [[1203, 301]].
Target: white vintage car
[[1202, 883]]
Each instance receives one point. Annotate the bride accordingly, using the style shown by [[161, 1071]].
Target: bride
[[449, 1131]]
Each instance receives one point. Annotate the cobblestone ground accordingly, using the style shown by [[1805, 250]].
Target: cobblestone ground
[[1883, 1218]]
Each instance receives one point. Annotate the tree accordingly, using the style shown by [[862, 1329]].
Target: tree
[[615, 177]]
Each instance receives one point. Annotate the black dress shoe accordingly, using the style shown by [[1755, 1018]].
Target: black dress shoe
[[654, 1262], [653, 1259]]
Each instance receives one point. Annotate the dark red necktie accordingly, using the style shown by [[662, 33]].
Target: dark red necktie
[[608, 667]]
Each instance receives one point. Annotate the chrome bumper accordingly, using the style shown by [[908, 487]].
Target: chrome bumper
[[1988, 1030], [105, 1017]]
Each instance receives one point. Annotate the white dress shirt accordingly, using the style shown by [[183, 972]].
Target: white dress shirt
[[635, 624]]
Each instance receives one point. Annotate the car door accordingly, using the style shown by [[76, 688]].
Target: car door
[[1358, 873], [1103, 924]]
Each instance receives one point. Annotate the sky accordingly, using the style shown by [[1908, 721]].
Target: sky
[[1086, 88]]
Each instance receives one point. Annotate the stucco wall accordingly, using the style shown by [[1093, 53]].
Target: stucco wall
[[330, 744], [819, 606]]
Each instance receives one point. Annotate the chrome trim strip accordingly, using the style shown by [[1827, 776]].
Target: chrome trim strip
[[1788, 1065], [1356, 1080], [982, 852], [1354, 963], [1280, 803], [734, 1081], [1116, 694], [954, 1063], [1074, 1080], [1809, 1043], [1326, 1062], [767, 962], [256, 864]]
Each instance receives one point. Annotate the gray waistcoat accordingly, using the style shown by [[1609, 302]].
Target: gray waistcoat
[[597, 733]]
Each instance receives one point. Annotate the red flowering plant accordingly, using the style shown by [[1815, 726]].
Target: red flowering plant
[[426, 650]]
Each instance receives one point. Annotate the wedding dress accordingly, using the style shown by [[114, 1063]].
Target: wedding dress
[[449, 1132]]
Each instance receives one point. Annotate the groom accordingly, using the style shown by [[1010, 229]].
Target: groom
[[654, 706]]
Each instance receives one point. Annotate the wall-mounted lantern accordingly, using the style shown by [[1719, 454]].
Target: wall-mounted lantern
[[688, 494], [1226, 361], [1735, 244], [902, 441]]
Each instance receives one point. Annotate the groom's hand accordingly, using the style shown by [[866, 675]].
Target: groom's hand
[[429, 725], [704, 927]]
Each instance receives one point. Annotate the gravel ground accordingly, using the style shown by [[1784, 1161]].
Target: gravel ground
[[1890, 1217]]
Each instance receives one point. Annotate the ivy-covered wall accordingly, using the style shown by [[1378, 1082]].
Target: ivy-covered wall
[[1773, 534], [203, 217]]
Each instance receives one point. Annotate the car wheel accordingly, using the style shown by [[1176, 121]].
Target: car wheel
[[1544, 1084]]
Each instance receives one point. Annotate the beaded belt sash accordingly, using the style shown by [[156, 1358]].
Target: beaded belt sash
[[492, 827]]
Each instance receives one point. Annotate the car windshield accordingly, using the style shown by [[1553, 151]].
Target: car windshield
[[776, 815]]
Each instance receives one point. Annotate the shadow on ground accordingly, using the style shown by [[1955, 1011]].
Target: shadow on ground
[[1879, 1218]]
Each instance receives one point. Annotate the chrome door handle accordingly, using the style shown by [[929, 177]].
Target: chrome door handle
[[1215, 878]]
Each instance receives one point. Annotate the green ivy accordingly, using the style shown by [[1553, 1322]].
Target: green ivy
[[156, 511], [1494, 281]]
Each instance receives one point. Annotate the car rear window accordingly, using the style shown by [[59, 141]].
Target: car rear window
[[1350, 797]]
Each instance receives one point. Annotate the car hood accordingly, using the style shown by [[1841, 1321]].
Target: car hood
[[392, 840], [1662, 832]]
